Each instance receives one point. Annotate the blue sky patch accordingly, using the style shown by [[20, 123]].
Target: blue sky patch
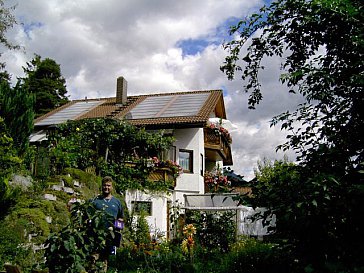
[[224, 91], [193, 46], [223, 29], [28, 27], [220, 34]]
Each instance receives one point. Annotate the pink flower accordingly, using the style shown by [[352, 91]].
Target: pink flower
[[155, 160]]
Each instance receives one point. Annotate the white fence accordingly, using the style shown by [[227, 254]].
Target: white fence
[[247, 219]]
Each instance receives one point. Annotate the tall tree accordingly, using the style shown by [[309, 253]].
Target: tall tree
[[321, 43], [45, 81], [7, 20], [17, 112]]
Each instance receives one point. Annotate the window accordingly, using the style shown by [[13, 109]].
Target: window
[[170, 154], [185, 160], [139, 206], [201, 164]]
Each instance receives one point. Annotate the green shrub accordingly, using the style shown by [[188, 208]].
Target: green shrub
[[11, 237], [30, 220], [90, 183], [247, 255], [159, 257], [73, 248], [140, 230], [253, 256], [216, 230], [57, 210]]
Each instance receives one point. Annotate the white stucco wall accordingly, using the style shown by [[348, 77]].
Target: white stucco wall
[[187, 183], [158, 220], [190, 139]]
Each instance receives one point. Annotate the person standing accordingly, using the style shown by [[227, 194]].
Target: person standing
[[112, 206]]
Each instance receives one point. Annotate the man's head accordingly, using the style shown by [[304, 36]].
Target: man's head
[[107, 186]]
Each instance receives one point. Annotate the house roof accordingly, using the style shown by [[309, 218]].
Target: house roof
[[191, 109], [235, 179], [168, 110]]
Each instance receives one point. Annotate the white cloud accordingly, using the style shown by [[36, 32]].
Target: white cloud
[[96, 41]]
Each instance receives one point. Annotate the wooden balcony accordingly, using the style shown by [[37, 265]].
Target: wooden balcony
[[217, 147], [162, 174]]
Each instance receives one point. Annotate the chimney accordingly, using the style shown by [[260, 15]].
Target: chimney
[[121, 90]]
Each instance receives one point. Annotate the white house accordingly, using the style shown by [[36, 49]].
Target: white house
[[185, 115]]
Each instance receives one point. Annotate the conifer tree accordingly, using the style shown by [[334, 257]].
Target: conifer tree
[[17, 112], [44, 79]]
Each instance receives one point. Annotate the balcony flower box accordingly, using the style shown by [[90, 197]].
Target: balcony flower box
[[215, 181]]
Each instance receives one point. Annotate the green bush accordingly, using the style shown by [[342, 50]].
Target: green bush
[[215, 230], [140, 230], [26, 213], [252, 256], [30, 220], [247, 255], [73, 249], [90, 183], [158, 257], [11, 238], [57, 210]]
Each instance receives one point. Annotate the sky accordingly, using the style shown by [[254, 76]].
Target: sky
[[157, 46]]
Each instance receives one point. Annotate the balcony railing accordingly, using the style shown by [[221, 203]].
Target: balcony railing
[[216, 142], [162, 174]]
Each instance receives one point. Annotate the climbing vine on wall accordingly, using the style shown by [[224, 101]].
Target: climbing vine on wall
[[108, 146]]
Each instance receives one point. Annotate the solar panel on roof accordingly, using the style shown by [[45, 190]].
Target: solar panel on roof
[[169, 106], [186, 105], [69, 113], [149, 107]]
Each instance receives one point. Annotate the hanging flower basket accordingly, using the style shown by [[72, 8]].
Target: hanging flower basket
[[215, 181], [218, 130], [169, 164]]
